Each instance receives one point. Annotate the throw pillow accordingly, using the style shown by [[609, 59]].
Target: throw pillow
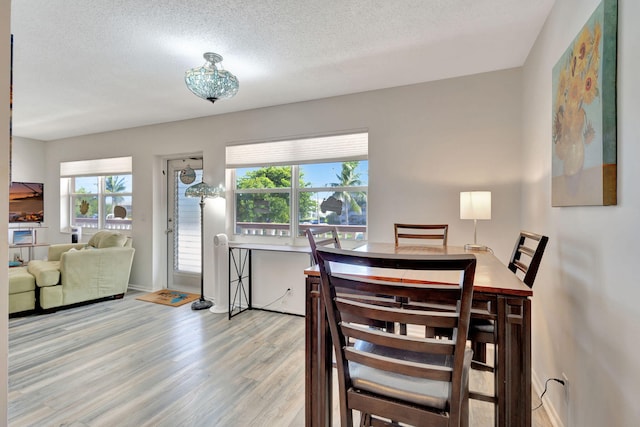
[[107, 239]]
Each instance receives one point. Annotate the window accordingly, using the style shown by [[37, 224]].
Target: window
[[276, 198], [97, 198], [98, 201], [335, 193]]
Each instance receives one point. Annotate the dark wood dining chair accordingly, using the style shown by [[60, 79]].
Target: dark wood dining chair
[[420, 231], [384, 375], [322, 236], [412, 232], [525, 262], [532, 246]]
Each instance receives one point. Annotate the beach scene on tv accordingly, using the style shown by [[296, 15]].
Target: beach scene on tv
[[26, 202]]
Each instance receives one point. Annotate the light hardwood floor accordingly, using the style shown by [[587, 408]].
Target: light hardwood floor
[[134, 363]]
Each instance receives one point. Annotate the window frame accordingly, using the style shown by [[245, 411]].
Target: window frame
[[340, 147], [103, 168]]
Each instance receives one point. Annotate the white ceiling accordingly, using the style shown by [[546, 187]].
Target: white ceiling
[[87, 66]]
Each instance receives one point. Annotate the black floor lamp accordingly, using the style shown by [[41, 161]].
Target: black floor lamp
[[202, 190]]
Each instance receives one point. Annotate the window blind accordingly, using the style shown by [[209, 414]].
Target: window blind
[[334, 148], [112, 166]]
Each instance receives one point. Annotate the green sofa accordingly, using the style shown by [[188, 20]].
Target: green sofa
[[75, 273]]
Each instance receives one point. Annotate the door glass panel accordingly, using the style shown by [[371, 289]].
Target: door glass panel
[[186, 227]]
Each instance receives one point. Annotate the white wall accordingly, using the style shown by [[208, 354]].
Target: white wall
[[427, 143], [5, 60], [28, 161], [586, 320]]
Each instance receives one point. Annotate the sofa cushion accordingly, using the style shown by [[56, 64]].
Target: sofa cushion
[[20, 280], [51, 297], [85, 248], [107, 239], [56, 250], [47, 273], [24, 301]]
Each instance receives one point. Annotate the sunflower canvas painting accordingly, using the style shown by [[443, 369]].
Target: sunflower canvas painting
[[584, 170]]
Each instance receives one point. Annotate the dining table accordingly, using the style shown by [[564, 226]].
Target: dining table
[[498, 295]]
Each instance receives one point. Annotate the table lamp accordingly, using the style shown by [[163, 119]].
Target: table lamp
[[475, 205]]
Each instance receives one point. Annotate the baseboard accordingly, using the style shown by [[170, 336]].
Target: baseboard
[[139, 288], [278, 311], [548, 407]]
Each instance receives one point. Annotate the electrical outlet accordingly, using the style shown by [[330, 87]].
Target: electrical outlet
[[287, 293], [566, 387]]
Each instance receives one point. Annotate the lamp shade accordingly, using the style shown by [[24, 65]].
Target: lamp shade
[[201, 189], [475, 205]]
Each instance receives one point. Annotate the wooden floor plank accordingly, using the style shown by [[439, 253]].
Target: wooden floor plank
[[133, 363]]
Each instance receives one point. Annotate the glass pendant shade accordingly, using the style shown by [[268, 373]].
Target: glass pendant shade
[[210, 81], [203, 190]]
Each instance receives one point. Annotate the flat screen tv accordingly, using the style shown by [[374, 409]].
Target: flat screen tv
[[26, 202], [22, 237]]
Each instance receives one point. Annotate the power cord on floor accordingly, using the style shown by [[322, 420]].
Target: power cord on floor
[[277, 299], [545, 390]]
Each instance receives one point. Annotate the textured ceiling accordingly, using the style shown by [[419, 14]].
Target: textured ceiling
[[87, 66]]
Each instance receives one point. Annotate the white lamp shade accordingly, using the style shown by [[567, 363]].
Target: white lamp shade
[[475, 205]]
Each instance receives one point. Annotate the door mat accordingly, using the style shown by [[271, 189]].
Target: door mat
[[169, 297]]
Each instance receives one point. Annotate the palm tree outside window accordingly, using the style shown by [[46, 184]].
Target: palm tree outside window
[[94, 199], [265, 206]]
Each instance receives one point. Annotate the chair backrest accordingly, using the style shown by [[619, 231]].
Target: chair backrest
[[371, 359], [532, 246], [421, 231], [322, 236]]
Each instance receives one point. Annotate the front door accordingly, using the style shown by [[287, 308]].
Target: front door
[[183, 225]]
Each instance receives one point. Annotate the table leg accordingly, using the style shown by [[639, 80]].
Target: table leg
[[514, 358], [310, 344], [500, 369], [318, 359]]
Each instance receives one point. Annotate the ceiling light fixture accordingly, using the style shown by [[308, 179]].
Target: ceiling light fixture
[[211, 81]]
